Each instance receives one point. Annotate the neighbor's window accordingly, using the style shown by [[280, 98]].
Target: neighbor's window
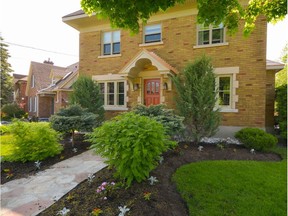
[[224, 90], [35, 104], [113, 93], [152, 33], [30, 104], [32, 81], [210, 34], [111, 43]]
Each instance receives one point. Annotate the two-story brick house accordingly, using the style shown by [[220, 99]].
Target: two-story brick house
[[135, 69], [48, 87]]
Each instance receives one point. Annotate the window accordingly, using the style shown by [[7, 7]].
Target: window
[[152, 33], [32, 81], [113, 93], [111, 43], [224, 90], [212, 34], [35, 104], [30, 104]]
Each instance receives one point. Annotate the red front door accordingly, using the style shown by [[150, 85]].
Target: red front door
[[151, 92]]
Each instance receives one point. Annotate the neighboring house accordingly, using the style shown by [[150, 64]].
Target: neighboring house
[[136, 69], [46, 84], [60, 87], [20, 83]]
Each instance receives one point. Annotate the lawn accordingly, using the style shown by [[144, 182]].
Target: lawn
[[234, 188]]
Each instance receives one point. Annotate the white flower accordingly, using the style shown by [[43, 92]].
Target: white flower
[[37, 164], [123, 210], [63, 212], [252, 151], [152, 180], [200, 148], [74, 150], [161, 159]]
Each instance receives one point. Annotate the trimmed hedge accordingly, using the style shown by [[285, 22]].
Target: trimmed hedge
[[255, 138]]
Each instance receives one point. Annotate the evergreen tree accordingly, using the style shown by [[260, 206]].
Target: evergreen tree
[[6, 78], [73, 118], [196, 98], [86, 93]]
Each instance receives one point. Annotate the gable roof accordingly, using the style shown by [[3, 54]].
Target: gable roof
[[144, 58], [41, 72], [64, 83], [17, 77]]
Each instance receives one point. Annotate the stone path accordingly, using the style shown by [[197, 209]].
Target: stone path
[[29, 196]]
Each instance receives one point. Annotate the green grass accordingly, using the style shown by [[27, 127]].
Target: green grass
[[242, 188], [6, 145]]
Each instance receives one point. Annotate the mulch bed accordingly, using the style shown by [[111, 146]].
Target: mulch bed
[[164, 200], [23, 170]]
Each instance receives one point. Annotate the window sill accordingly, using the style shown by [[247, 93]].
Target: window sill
[[210, 45], [109, 56], [227, 110], [151, 44], [115, 108]]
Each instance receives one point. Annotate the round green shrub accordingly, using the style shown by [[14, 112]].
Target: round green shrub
[[132, 144], [255, 138], [33, 141], [171, 122]]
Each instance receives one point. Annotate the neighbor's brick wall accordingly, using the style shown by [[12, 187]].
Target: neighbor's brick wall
[[270, 96], [45, 107], [179, 37]]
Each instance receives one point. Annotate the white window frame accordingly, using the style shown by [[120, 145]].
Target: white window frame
[[145, 34], [32, 81], [35, 104], [30, 104], [111, 43], [210, 29], [234, 84], [217, 82]]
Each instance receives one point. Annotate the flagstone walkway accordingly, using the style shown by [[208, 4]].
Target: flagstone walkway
[[30, 196]]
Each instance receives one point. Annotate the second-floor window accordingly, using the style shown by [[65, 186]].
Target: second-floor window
[[32, 81], [210, 34], [152, 33], [111, 43]]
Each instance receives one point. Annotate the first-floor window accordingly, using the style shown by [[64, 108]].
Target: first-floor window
[[223, 83], [113, 93], [30, 104], [35, 104]]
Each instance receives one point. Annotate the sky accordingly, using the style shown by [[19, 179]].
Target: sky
[[34, 31]]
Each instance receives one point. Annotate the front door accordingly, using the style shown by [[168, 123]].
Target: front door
[[151, 92]]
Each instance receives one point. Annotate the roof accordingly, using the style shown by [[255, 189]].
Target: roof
[[69, 73], [41, 72], [274, 65], [76, 13], [17, 77]]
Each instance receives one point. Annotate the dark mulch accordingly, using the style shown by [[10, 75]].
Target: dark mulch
[[22, 170], [164, 200]]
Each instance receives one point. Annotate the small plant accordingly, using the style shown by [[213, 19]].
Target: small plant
[[37, 164], [6, 170], [69, 197], [63, 212], [9, 175], [90, 178], [106, 189], [152, 180], [257, 139], [75, 150], [220, 146], [123, 210], [252, 151], [96, 212], [161, 159], [147, 195], [200, 148], [62, 157]]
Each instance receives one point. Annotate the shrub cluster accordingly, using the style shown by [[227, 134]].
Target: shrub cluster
[[172, 123], [33, 141], [255, 138], [281, 108], [132, 144]]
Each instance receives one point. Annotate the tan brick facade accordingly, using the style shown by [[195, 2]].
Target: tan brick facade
[[255, 91]]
